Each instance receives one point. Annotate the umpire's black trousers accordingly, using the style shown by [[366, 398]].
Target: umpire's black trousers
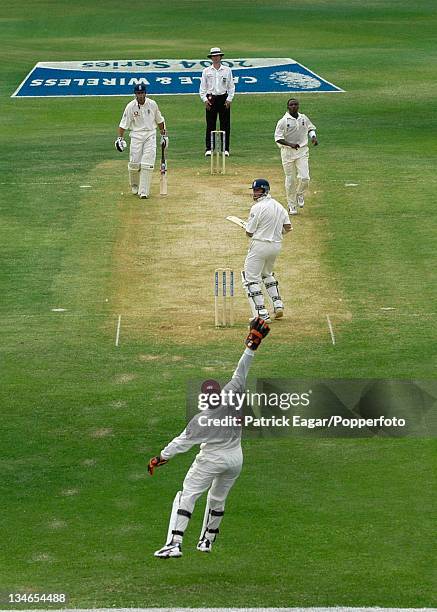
[[218, 108]]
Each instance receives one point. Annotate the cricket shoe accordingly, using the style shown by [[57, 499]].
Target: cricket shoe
[[279, 312], [264, 315], [292, 209], [134, 189], [169, 551], [227, 153], [300, 200], [204, 545], [207, 153], [278, 308], [143, 196]]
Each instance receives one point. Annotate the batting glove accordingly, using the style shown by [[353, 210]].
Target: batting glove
[[164, 140], [258, 330], [155, 462], [120, 144]]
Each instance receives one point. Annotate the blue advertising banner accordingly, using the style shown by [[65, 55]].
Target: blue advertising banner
[[164, 77]]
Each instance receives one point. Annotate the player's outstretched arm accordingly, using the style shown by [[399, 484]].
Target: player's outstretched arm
[[258, 330], [195, 435]]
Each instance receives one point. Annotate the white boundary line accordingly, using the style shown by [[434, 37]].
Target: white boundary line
[[331, 330], [117, 335], [333, 609]]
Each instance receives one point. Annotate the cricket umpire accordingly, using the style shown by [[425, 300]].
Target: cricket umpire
[[267, 223], [218, 464], [217, 90]]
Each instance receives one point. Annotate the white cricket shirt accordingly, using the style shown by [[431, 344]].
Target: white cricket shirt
[[217, 82], [141, 119], [266, 220], [294, 130]]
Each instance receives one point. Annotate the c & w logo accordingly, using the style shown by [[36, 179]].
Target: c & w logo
[[295, 79]]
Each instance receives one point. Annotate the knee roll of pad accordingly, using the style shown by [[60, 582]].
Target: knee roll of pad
[[254, 295], [246, 284], [272, 287]]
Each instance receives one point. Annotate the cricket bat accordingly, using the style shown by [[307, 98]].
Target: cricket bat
[[163, 179], [237, 221]]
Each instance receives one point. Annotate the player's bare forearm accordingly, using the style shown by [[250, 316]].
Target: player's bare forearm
[[121, 132], [285, 143]]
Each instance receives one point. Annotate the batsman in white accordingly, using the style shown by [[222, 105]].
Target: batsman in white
[[267, 223], [141, 116], [291, 136], [218, 464]]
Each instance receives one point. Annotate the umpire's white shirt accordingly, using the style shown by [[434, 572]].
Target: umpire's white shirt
[[141, 120], [266, 220], [295, 131], [217, 82]]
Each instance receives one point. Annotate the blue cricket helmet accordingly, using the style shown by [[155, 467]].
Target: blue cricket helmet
[[261, 184]]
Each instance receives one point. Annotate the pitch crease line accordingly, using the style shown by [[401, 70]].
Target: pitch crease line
[[117, 335], [331, 330]]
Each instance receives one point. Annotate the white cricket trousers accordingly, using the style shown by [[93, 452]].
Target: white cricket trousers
[[260, 260], [217, 474], [297, 172], [143, 150]]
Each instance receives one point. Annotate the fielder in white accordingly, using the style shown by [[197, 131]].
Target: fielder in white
[[291, 136], [218, 464], [267, 223], [141, 116]]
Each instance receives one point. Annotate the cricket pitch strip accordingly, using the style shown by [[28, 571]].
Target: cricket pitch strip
[[167, 249]]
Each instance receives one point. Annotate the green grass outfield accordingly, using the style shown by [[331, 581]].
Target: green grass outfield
[[310, 522]]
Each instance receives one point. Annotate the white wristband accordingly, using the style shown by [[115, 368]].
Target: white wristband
[[311, 133]]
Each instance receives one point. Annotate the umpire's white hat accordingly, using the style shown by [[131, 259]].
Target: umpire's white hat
[[215, 51]]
